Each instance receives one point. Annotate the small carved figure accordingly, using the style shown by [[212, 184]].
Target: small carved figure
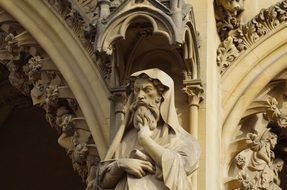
[[277, 167], [263, 168], [151, 151], [240, 161]]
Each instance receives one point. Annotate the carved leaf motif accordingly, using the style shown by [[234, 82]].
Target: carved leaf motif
[[227, 53], [247, 35], [33, 69]]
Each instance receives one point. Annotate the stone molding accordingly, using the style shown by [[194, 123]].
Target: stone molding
[[247, 36]]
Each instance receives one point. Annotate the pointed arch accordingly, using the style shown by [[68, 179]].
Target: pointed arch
[[246, 78], [72, 60]]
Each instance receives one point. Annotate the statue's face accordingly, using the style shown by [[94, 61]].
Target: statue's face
[[273, 141], [144, 90], [146, 103]]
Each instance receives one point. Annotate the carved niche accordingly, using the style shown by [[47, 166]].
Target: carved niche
[[106, 24], [33, 73], [259, 151], [131, 35]]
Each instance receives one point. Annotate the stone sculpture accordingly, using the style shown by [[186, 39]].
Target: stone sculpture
[[227, 14], [150, 151], [258, 168]]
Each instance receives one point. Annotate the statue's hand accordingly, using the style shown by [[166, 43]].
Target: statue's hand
[[135, 167], [144, 130]]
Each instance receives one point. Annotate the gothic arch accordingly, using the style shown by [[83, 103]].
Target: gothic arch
[[161, 24], [244, 80], [72, 60], [249, 75]]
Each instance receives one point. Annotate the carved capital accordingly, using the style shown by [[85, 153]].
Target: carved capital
[[194, 91]]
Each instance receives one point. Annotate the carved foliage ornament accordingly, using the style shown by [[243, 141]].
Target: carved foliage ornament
[[245, 36], [34, 74]]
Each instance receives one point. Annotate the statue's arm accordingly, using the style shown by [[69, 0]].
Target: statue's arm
[[154, 150]]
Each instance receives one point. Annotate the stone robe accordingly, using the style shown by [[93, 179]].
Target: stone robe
[[178, 161], [181, 154]]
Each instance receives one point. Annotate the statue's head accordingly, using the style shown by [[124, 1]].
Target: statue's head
[[234, 7], [278, 164], [270, 138], [147, 98]]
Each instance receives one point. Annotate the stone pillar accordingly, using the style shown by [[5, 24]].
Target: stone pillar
[[176, 9], [194, 91], [118, 110]]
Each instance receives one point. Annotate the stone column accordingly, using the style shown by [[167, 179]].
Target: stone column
[[176, 9], [118, 110], [194, 91]]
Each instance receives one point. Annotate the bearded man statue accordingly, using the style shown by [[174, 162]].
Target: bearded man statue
[[150, 151]]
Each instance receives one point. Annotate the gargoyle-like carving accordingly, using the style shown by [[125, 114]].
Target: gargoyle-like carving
[[226, 53], [227, 13], [245, 36]]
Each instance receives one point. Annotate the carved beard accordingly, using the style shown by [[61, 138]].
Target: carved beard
[[149, 111]]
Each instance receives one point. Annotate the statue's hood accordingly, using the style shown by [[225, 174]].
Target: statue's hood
[[167, 107]]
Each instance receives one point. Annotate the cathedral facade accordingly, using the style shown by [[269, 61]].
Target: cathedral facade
[[68, 63]]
